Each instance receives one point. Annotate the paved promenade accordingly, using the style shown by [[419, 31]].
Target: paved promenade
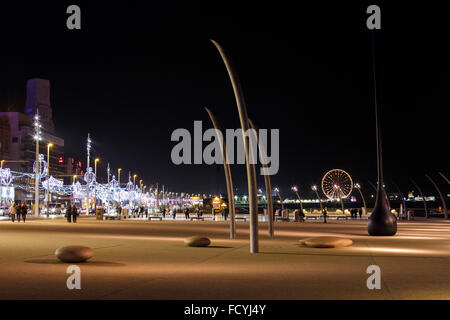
[[148, 260]]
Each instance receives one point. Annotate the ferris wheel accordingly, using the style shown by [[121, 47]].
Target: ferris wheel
[[337, 184]]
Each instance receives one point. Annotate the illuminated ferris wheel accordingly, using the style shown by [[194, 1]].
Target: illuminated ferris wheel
[[337, 184]]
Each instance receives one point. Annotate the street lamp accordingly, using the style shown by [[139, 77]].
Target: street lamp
[[314, 188], [134, 179], [2, 163], [294, 188], [277, 191], [95, 185], [118, 175], [47, 200], [95, 167], [358, 186]]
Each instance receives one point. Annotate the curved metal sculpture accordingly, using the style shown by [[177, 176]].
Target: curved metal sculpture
[[423, 198], [444, 205], [401, 195], [381, 222], [267, 182], [445, 178], [226, 167], [251, 172]]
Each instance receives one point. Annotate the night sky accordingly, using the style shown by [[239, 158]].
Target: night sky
[[133, 74]]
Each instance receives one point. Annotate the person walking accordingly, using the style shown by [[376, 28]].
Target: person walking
[[24, 211], [174, 213], [164, 212], [186, 213], [69, 213], [360, 211], [74, 214], [13, 211], [197, 211], [325, 211]]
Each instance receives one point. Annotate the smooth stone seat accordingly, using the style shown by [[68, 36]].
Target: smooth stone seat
[[326, 242], [74, 253], [197, 241]]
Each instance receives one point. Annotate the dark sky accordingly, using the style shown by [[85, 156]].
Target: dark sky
[[135, 73]]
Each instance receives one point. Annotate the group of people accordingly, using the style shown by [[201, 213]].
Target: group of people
[[173, 212], [71, 213], [354, 213], [19, 210]]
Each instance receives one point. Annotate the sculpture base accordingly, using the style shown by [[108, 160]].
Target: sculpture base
[[382, 228]]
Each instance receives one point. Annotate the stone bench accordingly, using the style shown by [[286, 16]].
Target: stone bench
[[197, 218], [154, 217]]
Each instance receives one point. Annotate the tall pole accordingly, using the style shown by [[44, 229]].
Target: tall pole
[[251, 171], [277, 191], [357, 186], [229, 180], [423, 198], [87, 171], [267, 181], [37, 137], [299, 198], [381, 222], [444, 205], [314, 188], [47, 195]]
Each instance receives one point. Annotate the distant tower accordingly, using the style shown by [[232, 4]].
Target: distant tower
[[38, 96]]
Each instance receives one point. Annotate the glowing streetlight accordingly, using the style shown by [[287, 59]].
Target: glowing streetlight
[[314, 188], [95, 167], [134, 179], [2, 163], [294, 188], [118, 175], [358, 186], [277, 191]]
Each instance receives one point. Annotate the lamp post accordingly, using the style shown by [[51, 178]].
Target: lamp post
[[47, 195], [358, 187], [74, 177], [134, 180], [277, 191], [88, 146], [118, 181], [2, 163], [294, 188], [37, 137], [95, 185], [314, 188]]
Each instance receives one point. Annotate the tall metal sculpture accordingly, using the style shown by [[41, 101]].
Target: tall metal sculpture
[[444, 205], [381, 222], [226, 167], [251, 171], [423, 198], [267, 182]]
